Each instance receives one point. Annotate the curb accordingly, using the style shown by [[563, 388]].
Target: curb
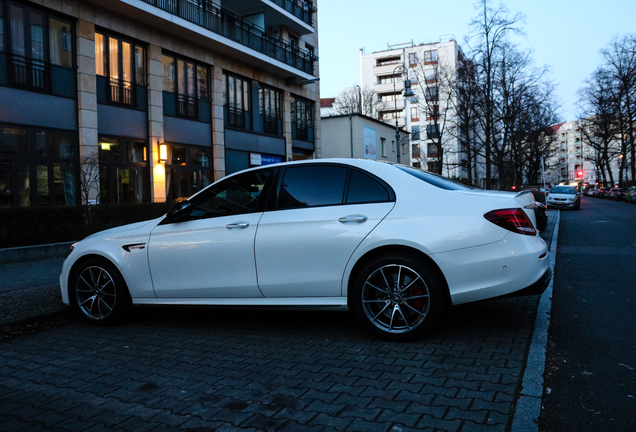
[[528, 406], [33, 253]]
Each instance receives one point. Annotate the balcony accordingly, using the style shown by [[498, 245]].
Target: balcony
[[297, 15], [224, 31]]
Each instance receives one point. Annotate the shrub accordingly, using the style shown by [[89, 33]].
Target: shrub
[[26, 226]]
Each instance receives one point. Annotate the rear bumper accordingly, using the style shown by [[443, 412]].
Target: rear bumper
[[536, 288]]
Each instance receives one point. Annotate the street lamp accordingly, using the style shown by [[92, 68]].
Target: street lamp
[[408, 93]]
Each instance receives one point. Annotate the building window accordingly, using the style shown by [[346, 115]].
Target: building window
[[415, 115], [188, 81], [432, 94], [269, 101], [415, 133], [433, 112], [123, 63], [123, 171], [188, 170], [383, 147], [37, 167], [36, 42], [238, 102], [302, 118], [432, 131], [430, 76], [430, 57], [412, 59], [389, 79], [431, 150]]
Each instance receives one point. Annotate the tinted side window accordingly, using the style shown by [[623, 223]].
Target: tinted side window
[[236, 195], [310, 186], [365, 189]]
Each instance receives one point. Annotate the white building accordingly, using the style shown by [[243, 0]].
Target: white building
[[575, 160], [431, 69]]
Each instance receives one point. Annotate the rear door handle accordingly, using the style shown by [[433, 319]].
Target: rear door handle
[[241, 225], [353, 219]]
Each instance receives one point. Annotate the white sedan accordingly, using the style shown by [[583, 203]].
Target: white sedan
[[395, 245]]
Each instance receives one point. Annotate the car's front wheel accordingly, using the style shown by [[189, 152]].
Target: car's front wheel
[[99, 293], [397, 297]]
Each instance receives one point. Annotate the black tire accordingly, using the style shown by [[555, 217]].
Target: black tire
[[397, 310], [98, 292]]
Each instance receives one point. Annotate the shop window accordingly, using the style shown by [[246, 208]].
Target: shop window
[[38, 167], [188, 170], [123, 171], [188, 81], [123, 63], [238, 102], [302, 118]]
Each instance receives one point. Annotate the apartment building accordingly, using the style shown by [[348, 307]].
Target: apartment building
[[150, 100], [430, 117], [575, 160]]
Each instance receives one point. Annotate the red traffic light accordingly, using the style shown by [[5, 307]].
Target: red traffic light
[[579, 173]]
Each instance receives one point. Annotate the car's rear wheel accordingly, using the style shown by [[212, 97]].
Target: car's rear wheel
[[99, 292], [397, 297]]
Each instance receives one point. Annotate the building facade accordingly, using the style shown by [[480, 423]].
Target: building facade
[[430, 116], [575, 161], [360, 136], [151, 100]]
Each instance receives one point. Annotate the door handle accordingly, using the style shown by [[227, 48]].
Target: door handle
[[241, 225], [353, 219]]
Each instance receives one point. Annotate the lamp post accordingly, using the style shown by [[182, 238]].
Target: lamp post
[[408, 93]]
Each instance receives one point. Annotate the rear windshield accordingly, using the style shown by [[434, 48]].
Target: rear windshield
[[434, 179], [563, 190]]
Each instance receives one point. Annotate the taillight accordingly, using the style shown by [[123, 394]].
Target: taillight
[[514, 219]]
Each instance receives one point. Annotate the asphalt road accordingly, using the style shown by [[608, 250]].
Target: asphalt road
[[590, 382]]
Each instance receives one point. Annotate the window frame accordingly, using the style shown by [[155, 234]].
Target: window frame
[[187, 98], [302, 115], [274, 203], [119, 91], [238, 115]]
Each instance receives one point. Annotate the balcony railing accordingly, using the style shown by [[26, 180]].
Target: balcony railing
[[270, 125], [121, 92], [300, 9], [28, 73], [186, 106], [233, 27]]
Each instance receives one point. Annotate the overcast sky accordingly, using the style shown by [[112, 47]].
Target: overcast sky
[[566, 35]]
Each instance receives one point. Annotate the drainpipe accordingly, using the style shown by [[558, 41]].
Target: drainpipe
[[351, 133]]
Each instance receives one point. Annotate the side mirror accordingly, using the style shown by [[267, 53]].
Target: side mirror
[[179, 211]]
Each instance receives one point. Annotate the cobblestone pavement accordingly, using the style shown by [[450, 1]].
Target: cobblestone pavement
[[256, 370], [202, 369]]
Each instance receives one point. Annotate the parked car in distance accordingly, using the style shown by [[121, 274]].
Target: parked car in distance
[[630, 195], [614, 193], [564, 196], [393, 244], [604, 192]]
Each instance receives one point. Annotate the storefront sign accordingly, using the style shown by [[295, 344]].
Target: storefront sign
[[257, 159]]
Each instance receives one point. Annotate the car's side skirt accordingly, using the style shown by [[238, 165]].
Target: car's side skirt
[[272, 301]]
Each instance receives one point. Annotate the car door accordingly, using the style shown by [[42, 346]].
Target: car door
[[323, 213], [210, 251]]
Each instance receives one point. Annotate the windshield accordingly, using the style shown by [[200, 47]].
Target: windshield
[[434, 179], [569, 190]]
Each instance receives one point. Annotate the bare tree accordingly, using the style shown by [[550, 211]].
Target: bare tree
[[490, 30], [89, 177], [354, 100], [597, 102], [620, 68]]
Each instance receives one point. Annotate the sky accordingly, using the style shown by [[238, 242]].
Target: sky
[[565, 35]]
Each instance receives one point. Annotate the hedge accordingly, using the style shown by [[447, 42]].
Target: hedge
[[26, 226]]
